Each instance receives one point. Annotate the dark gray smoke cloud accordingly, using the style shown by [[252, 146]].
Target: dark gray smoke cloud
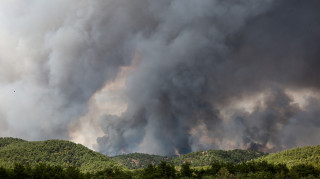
[[205, 74], [205, 56], [55, 56]]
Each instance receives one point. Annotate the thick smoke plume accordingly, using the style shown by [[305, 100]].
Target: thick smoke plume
[[200, 74], [54, 57], [205, 56]]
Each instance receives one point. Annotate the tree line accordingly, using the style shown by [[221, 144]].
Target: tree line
[[304, 155], [197, 159], [52, 152], [165, 170]]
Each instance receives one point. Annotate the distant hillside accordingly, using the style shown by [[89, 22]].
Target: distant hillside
[[139, 160], [203, 158], [9, 140], [52, 152], [304, 155]]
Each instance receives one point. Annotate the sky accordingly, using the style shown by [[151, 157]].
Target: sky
[[161, 77]]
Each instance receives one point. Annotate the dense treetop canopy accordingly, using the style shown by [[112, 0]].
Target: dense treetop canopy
[[204, 158], [9, 140], [305, 155], [64, 159], [196, 159], [52, 152], [140, 160]]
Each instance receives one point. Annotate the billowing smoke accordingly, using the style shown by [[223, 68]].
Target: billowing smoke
[[54, 57], [206, 56], [200, 74]]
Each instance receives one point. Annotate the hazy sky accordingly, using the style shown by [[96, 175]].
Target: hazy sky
[[162, 77]]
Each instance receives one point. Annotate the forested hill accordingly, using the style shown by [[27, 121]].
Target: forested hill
[[204, 158], [139, 160], [9, 140], [52, 152], [304, 155], [65, 153]]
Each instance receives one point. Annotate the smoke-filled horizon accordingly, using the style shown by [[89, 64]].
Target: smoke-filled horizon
[[161, 77]]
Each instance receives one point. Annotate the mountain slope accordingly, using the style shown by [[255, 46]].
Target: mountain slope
[[203, 158], [52, 152], [139, 160], [9, 140], [304, 155]]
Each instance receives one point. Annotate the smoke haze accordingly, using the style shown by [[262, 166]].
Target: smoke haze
[[163, 77]]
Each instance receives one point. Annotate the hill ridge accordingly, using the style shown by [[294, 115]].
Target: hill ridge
[[67, 153], [295, 156], [199, 158], [53, 152]]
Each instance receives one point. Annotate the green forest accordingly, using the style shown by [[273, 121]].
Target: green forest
[[140, 160], [52, 152], [196, 159], [305, 155], [205, 158], [64, 159]]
